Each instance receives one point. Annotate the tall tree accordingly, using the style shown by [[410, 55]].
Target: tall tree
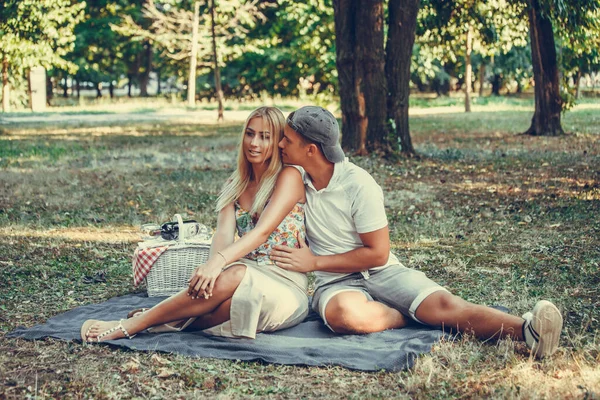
[[402, 22], [172, 29], [35, 33], [548, 101], [216, 69], [352, 99], [371, 56], [544, 17]]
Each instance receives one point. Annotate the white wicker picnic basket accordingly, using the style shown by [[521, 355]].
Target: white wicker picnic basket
[[172, 270]]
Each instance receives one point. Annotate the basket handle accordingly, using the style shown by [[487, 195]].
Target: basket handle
[[179, 220]]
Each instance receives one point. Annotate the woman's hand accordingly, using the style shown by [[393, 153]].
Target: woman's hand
[[204, 277]]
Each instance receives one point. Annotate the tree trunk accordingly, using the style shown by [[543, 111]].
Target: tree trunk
[[548, 102], [354, 122], [99, 89], [78, 86], [145, 75], [402, 24], [371, 56], [218, 88], [496, 84], [66, 87], [191, 97], [158, 85], [129, 84], [111, 89], [468, 69], [5, 86], [49, 89], [481, 78], [578, 84]]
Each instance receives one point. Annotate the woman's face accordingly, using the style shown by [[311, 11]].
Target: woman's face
[[257, 144]]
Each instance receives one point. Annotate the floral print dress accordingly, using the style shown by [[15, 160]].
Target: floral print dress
[[287, 233]]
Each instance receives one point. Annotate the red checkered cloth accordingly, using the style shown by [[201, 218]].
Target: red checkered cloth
[[143, 260]]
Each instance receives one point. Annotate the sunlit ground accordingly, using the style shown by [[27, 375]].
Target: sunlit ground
[[497, 217]]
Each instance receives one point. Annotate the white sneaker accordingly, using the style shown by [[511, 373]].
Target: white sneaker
[[541, 329]]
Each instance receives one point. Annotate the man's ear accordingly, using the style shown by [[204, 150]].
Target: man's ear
[[313, 150]]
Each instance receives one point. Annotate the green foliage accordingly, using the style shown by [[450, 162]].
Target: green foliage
[[38, 33], [101, 53], [497, 25], [291, 52]]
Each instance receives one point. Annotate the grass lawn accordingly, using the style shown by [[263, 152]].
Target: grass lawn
[[497, 217]]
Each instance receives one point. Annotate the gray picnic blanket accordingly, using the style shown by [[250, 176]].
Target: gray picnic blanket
[[309, 343]]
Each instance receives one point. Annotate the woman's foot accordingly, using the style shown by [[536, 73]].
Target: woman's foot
[[137, 312], [100, 331]]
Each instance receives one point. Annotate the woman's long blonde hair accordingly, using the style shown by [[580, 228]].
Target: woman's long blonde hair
[[239, 179]]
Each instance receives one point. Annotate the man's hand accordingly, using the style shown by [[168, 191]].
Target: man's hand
[[299, 260]]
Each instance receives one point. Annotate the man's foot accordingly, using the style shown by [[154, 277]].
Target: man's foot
[[542, 328]]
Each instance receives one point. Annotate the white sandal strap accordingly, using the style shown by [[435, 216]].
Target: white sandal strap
[[127, 335], [114, 328]]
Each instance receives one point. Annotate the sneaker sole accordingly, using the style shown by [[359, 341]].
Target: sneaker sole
[[548, 322]]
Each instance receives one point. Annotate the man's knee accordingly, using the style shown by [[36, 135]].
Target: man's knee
[[441, 308], [344, 316]]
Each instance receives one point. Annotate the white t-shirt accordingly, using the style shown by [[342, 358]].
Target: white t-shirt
[[352, 203]]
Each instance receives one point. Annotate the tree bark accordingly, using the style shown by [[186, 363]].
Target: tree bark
[[578, 84], [5, 86], [371, 56], [98, 89], [496, 84], [49, 89], [145, 75], [468, 69], [481, 78], [158, 83], [191, 97], [354, 122], [66, 87], [548, 102], [402, 24], [218, 87], [129, 84], [111, 89]]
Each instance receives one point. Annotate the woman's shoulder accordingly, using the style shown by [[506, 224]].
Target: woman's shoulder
[[290, 173]]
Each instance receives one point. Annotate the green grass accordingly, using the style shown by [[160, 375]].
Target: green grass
[[497, 217]]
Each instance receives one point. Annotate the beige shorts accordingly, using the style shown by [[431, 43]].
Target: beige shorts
[[267, 299]]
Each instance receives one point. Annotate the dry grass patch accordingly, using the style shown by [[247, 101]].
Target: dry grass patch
[[496, 217]]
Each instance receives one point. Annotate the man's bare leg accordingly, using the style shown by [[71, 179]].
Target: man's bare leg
[[352, 312], [443, 309]]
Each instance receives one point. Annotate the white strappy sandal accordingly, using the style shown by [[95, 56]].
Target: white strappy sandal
[[87, 325]]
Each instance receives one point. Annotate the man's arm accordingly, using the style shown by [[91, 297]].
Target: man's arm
[[374, 253]]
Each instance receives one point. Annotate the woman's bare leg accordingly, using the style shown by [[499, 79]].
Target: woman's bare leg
[[177, 307], [214, 318]]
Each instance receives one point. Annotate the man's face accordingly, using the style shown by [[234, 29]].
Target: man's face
[[293, 149]]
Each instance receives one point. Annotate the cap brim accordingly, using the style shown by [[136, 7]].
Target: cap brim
[[334, 154]]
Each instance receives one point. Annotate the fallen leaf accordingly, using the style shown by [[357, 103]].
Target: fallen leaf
[[156, 359], [131, 366], [165, 372]]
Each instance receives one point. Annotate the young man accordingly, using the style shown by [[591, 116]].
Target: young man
[[361, 286]]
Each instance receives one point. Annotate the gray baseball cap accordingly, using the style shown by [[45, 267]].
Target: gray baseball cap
[[320, 126]]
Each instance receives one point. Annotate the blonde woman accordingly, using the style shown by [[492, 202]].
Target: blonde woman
[[239, 291]]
